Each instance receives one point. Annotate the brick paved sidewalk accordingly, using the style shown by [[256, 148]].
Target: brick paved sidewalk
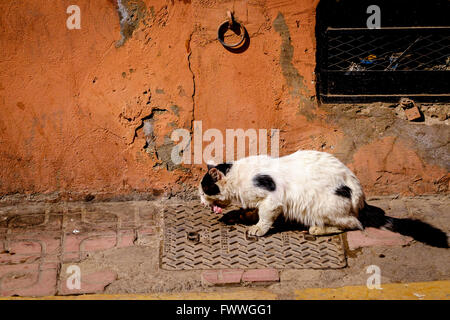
[[39, 241]]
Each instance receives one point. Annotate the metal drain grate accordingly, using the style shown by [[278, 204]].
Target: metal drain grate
[[194, 238]]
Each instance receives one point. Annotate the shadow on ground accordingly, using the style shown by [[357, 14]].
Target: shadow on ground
[[375, 217], [370, 216]]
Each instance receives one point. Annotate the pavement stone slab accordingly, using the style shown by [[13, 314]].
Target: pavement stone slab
[[375, 237]]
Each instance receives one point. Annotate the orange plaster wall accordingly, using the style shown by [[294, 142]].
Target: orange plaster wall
[[73, 101]]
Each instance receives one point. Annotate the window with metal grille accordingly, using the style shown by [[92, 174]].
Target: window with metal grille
[[408, 56]]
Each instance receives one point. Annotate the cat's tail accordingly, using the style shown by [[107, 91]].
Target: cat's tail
[[356, 193], [374, 217], [371, 216]]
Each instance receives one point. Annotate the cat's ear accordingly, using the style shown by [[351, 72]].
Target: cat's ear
[[210, 164], [215, 174]]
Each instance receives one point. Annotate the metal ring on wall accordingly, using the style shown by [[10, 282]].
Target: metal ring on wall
[[228, 25]]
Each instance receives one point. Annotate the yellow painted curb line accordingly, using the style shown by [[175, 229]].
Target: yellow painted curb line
[[433, 290], [436, 290]]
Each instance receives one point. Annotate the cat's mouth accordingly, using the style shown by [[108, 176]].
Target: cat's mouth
[[217, 206]]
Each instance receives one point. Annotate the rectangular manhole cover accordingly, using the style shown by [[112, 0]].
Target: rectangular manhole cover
[[194, 238]]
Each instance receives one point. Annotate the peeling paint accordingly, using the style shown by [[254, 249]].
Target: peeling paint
[[147, 127], [130, 14], [161, 154]]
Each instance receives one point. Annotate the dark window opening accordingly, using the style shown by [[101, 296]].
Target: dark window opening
[[409, 56]]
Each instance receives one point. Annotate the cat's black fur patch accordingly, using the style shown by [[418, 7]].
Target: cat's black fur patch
[[344, 191], [209, 186], [264, 181], [224, 167]]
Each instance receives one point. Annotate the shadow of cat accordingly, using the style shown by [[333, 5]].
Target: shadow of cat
[[370, 216], [250, 217], [420, 231]]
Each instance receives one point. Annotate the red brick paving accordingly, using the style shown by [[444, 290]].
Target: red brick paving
[[219, 277], [36, 242], [28, 279], [126, 238], [261, 275], [94, 282]]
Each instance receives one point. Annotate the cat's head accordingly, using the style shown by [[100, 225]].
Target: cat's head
[[212, 187]]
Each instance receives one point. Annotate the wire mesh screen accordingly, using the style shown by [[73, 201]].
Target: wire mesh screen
[[388, 51], [359, 63]]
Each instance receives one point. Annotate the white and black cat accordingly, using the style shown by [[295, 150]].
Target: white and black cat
[[310, 187]]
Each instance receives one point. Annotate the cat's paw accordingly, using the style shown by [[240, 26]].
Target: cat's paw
[[255, 231], [321, 231], [316, 231]]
